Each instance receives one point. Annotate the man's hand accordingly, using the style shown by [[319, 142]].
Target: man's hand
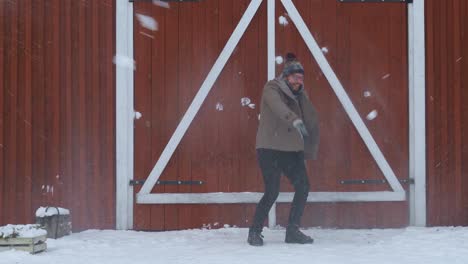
[[299, 125]]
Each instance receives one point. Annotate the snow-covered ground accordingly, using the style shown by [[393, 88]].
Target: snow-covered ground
[[228, 245]]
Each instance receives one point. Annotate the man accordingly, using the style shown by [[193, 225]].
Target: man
[[288, 134]]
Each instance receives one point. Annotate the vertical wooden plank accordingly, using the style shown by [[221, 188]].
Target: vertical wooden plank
[[97, 144], [456, 138], [11, 96], [75, 181], [185, 96], [23, 196], [94, 122], [444, 122], [450, 100], [241, 114], [229, 169], [65, 176], [2, 111], [209, 22], [162, 97], [254, 178], [165, 87], [78, 108], [81, 106], [430, 93], [198, 157], [52, 97], [143, 78], [463, 61], [20, 131], [38, 139], [254, 75], [446, 25], [28, 210], [107, 113]]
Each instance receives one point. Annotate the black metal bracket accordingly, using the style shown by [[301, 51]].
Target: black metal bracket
[[404, 181], [377, 1], [141, 182]]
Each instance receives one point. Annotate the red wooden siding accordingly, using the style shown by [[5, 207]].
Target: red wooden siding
[[447, 112], [57, 105], [367, 48], [57, 108]]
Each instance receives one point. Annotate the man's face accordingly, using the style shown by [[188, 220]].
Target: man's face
[[296, 81]]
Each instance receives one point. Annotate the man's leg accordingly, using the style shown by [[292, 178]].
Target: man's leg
[[296, 171], [268, 161]]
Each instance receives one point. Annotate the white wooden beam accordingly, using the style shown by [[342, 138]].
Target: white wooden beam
[[271, 33], [251, 197], [200, 97], [417, 108], [342, 96], [124, 116]]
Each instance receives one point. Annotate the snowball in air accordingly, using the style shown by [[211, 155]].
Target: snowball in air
[[372, 115], [279, 60], [161, 3], [124, 61], [283, 20], [245, 101], [219, 107], [137, 115], [147, 22]]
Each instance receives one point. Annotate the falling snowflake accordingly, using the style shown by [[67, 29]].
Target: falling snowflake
[[146, 34], [283, 21], [219, 107], [252, 106], [245, 101], [137, 115], [279, 60], [161, 3], [372, 115], [367, 94], [325, 50], [147, 22], [386, 76]]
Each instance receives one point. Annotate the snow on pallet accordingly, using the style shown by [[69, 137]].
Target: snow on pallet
[[32, 245], [29, 238]]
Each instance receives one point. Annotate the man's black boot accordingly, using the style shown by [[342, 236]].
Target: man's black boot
[[255, 237], [295, 236]]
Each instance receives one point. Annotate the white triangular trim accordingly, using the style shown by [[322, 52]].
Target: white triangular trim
[[342, 96], [200, 97], [144, 196]]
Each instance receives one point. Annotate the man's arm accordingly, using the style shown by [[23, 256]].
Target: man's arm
[[278, 107]]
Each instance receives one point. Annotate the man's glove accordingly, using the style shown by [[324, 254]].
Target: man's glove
[[299, 125]]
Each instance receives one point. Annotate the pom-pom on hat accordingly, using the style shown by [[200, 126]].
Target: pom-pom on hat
[[292, 65]]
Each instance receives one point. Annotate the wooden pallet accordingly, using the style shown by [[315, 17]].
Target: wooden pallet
[[32, 245]]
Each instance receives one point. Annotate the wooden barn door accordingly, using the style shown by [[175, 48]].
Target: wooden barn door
[[175, 47]]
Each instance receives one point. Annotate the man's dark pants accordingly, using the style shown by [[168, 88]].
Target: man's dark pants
[[274, 163]]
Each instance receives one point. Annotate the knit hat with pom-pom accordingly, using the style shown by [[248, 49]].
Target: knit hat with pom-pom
[[292, 65]]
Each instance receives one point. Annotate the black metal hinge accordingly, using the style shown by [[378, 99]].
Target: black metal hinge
[[377, 1], [141, 182], [404, 181], [165, 0]]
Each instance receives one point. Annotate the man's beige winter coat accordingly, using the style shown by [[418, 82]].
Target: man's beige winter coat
[[279, 108]]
